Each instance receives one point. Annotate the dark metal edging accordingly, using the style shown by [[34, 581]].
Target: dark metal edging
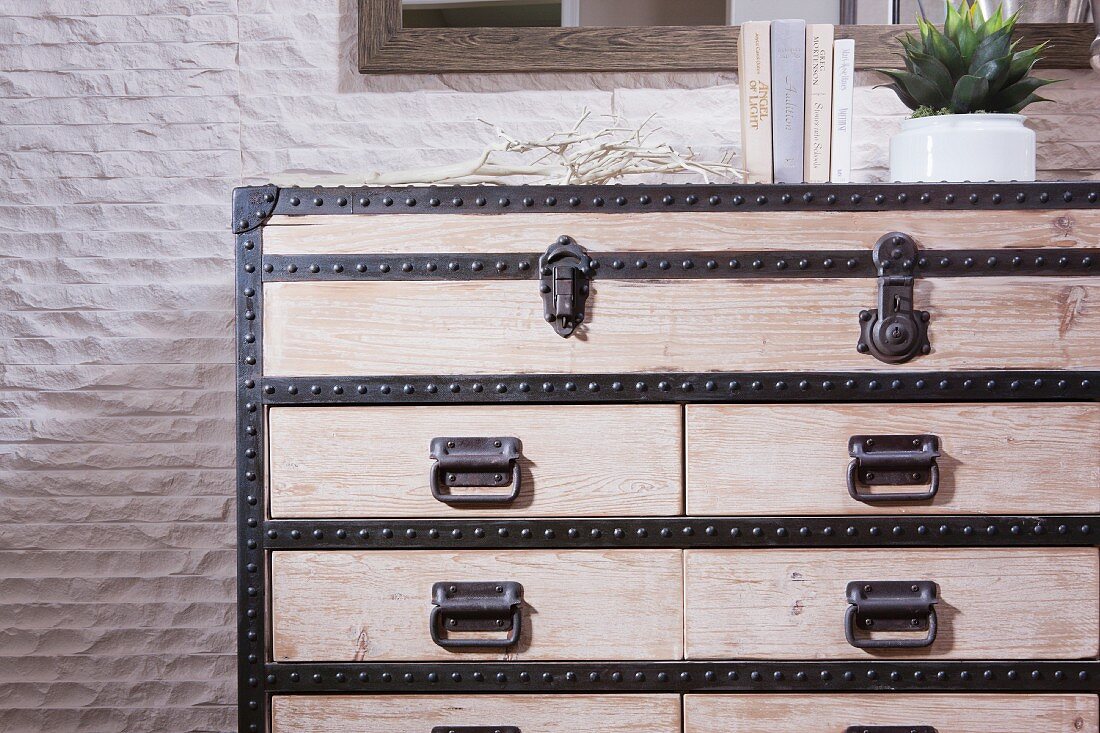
[[251, 558], [687, 388], [683, 532], [685, 677], [1052, 195], [682, 265]]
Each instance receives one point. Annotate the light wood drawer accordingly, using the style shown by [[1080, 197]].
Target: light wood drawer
[[422, 713], [340, 328], [993, 603], [835, 713], [573, 461], [377, 606], [794, 459]]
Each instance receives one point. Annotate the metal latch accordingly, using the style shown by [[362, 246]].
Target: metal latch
[[564, 271], [894, 333], [891, 605], [893, 460], [465, 462], [475, 729], [476, 607], [881, 729]]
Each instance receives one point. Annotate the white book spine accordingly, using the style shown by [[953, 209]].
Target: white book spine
[[844, 71], [789, 99], [754, 76], [819, 98]]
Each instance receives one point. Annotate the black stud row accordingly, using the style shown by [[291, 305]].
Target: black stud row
[[698, 387], [296, 201], [733, 264], [251, 701], [686, 677], [686, 532]]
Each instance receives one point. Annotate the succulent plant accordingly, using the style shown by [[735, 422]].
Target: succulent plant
[[970, 66]]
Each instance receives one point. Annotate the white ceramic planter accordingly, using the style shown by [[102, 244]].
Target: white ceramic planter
[[978, 147]]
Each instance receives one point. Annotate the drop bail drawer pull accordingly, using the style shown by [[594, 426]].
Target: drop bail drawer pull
[[564, 271], [893, 460], [881, 729], [892, 605], [894, 333], [468, 462], [474, 607]]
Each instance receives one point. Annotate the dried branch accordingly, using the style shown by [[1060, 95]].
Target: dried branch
[[573, 156]]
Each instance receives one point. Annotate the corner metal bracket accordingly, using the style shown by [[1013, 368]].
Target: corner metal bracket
[[894, 333], [253, 206]]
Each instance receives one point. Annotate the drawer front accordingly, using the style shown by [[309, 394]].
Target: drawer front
[[377, 606], [529, 713], [336, 328], [836, 713], [573, 461], [794, 459], [792, 604]]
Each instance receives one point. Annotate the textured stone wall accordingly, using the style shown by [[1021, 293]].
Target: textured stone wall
[[123, 125]]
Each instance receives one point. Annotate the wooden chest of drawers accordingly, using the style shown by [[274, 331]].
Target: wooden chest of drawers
[[669, 459]]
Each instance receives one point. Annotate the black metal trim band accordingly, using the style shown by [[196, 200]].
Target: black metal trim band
[[297, 201], [684, 677], [688, 388], [718, 264], [251, 583], [683, 532]]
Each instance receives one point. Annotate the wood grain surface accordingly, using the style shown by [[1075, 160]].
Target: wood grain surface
[[657, 232], [607, 460], [340, 328], [994, 603], [945, 712], [387, 48], [420, 713], [793, 459], [374, 606]]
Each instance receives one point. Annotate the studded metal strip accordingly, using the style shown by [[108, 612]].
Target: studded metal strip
[[683, 532], [251, 701], [683, 677], [731, 264], [1052, 195], [695, 387]]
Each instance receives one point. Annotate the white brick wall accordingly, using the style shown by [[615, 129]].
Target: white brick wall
[[123, 125]]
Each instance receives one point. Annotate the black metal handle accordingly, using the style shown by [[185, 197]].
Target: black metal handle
[[876, 729], [893, 460], [475, 729], [892, 605], [470, 462], [476, 607]]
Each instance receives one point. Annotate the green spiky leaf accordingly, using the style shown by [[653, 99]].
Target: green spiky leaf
[[943, 49], [998, 45], [968, 40], [1012, 96], [972, 65], [1030, 99], [970, 94], [1022, 61], [917, 87], [932, 69]]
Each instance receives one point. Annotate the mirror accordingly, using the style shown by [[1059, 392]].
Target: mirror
[[487, 36], [650, 13]]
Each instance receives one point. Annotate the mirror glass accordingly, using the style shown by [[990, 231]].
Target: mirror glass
[[625, 13]]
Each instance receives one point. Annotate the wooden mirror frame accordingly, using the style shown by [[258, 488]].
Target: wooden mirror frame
[[385, 47]]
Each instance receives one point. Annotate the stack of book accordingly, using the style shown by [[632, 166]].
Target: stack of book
[[796, 102]]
